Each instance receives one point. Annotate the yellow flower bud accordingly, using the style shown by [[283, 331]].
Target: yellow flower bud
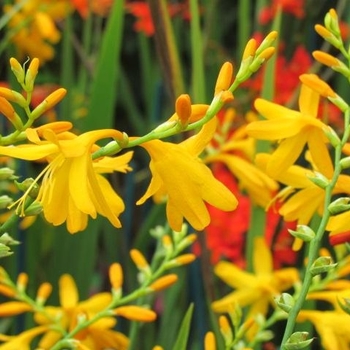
[[164, 282], [116, 276], [31, 74], [8, 111], [50, 101], [22, 281], [209, 341], [138, 259], [249, 50], [17, 70], [318, 85], [7, 291], [224, 79], [13, 96], [157, 347], [181, 260], [44, 292], [183, 109], [12, 308], [136, 313]]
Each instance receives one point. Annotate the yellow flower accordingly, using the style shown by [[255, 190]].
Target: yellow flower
[[294, 129], [332, 327], [256, 290], [179, 174], [33, 30], [21, 341], [237, 154], [97, 336], [72, 186]]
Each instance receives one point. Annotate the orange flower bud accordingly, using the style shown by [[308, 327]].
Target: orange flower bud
[[7, 291], [167, 243], [157, 347], [209, 341], [44, 292], [224, 79], [224, 324], [318, 85], [13, 96], [50, 101], [267, 53], [138, 259], [164, 282], [249, 50], [183, 108], [8, 111], [181, 260], [31, 74], [116, 276], [325, 58], [323, 31], [136, 313], [13, 308]]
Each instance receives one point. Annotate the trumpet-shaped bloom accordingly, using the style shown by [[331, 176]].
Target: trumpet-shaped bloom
[[72, 186], [179, 174], [257, 289], [332, 327], [294, 129]]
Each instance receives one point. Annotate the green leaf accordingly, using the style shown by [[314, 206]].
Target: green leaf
[[182, 338]]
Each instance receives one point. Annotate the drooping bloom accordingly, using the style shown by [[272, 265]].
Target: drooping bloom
[[33, 29], [256, 290], [72, 186], [294, 130], [180, 175]]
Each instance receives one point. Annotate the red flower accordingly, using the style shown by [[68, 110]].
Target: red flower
[[339, 238], [141, 11], [292, 7]]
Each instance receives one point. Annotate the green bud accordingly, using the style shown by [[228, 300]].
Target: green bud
[[4, 250], [297, 340], [285, 302], [332, 136], [7, 174], [319, 180], [263, 336], [303, 232], [165, 126], [340, 205], [178, 236], [321, 265], [345, 163], [331, 23], [34, 209], [29, 184], [5, 201], [8, 240], [236, 315]]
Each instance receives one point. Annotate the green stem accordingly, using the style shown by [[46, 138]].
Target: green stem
[[316, 242]]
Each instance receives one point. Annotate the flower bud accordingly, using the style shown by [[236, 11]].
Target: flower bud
[[183, 109], [209, 341], [225, 329], [321, 265], [332, 136], [259, 60], [303, 232], [7, 174], [267, 42], [297, 340], [13, 96], [163, 282], [135, 313], [29, 184], [22, 281], [116, 277], [340, 205], [50, 101], [17, 70], [345, 163], [328, 36], [331, 61], [224, 79], [8, 111], [331, 22], [181, 260], [43, 293], [35, 208], [31, 74], [5, 201], [285, 302], [4, 251], [319, 180]]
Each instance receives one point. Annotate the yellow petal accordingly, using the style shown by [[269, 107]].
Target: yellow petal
[[262, 259], [68, 292], [308, 101]]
